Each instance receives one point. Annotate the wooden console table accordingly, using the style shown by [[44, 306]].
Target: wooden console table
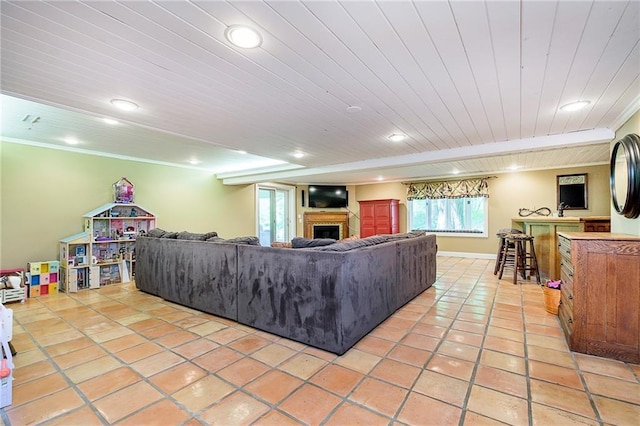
[[311, 219], [545, 230]]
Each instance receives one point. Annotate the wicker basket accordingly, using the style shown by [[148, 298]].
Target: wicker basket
[[551, 299]]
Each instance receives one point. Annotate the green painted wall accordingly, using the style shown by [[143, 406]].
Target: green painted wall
[[44, 193], [620, 223]]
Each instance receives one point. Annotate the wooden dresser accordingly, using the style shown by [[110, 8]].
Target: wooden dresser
[[599, 307]]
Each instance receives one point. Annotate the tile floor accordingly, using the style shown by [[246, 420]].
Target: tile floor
[[471, 350]]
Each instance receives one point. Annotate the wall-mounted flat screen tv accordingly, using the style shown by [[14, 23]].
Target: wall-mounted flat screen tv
[[328, 196]]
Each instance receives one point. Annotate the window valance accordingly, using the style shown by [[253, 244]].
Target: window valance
[[478, 187]]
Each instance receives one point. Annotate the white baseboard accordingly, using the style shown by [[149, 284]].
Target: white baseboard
[[464, 254]]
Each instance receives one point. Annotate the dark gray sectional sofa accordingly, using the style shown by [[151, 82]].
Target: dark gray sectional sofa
[[328, 297]]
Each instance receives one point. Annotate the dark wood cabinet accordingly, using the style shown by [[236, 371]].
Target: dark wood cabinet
[[601, 294], [379, 217]]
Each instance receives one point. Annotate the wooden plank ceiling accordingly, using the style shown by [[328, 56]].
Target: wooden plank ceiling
[[476, 86]]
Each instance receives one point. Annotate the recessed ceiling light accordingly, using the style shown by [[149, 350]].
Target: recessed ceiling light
[[193, 161], [124, 104], [353, 109], [574, 106], [242, 36], [239, 151], [455, 171], [69, 140], [397, 137], [110, 121], [514, 167], [298, 154], [380, 178]]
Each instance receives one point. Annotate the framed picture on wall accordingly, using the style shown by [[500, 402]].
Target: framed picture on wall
[[572, 191]]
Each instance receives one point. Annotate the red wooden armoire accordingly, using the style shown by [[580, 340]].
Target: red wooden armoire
[[379, 217]]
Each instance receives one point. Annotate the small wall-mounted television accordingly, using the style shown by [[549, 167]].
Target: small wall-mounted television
[[328, 196]]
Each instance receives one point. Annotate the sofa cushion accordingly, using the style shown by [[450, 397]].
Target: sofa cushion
[[300, 242], [354, 244], [185, 235], [208, 235], [216, 239], [171, 235], [248, 240], [156, 233]]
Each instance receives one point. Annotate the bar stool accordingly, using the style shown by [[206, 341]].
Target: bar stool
[[521, 258], [501, 234]]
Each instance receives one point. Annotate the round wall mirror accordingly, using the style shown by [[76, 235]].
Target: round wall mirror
[[624, 176]]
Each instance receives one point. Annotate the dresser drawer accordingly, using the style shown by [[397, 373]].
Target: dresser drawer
[[565, 314], [564, 247], [566, 297]]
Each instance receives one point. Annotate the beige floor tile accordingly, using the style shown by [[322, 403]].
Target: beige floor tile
[[126, 401], [337, 379], [82, 416], [617, 412], [572, 400], [136, 353], [358, 360], [502, 381], [274, 386], [124, 342], [203, 393], [249, 344], [195, 348], [475, 419], [108, 383], [397, 373], [243, 371], [453, 367], [410, 355], [550, 356], [422, 410], [216, 359], [276, 418], [176, 339], [458, 350], [605, 367], [497, 405], [302, 365], [38, 388], [91, 369], [543, 415], [45, 408], [441, 387], [176, 378], [374, 345], [310, 404], [351, 414], [555, 374], [273, 355], [236, 409], [149, 366], [613, 388], [161, 413], [382, 397], [226, 335], [503, 361]]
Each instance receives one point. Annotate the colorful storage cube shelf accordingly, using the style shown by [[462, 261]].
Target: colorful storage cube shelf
[[43, 277]]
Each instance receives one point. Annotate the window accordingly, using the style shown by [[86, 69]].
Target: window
[[465, 216]]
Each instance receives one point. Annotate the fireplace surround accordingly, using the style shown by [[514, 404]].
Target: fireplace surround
[[315, 222]]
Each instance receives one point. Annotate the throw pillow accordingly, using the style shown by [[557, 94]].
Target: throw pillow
[[156, 233]]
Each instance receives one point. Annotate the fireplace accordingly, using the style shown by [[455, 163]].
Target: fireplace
[[326, 231], [326, 225]]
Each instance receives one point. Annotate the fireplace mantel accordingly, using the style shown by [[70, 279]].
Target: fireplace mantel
[[326, 218]]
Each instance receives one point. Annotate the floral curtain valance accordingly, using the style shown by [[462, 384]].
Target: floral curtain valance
[[449, 189]]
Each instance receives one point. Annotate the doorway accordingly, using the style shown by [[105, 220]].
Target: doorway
[[274, 213]]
